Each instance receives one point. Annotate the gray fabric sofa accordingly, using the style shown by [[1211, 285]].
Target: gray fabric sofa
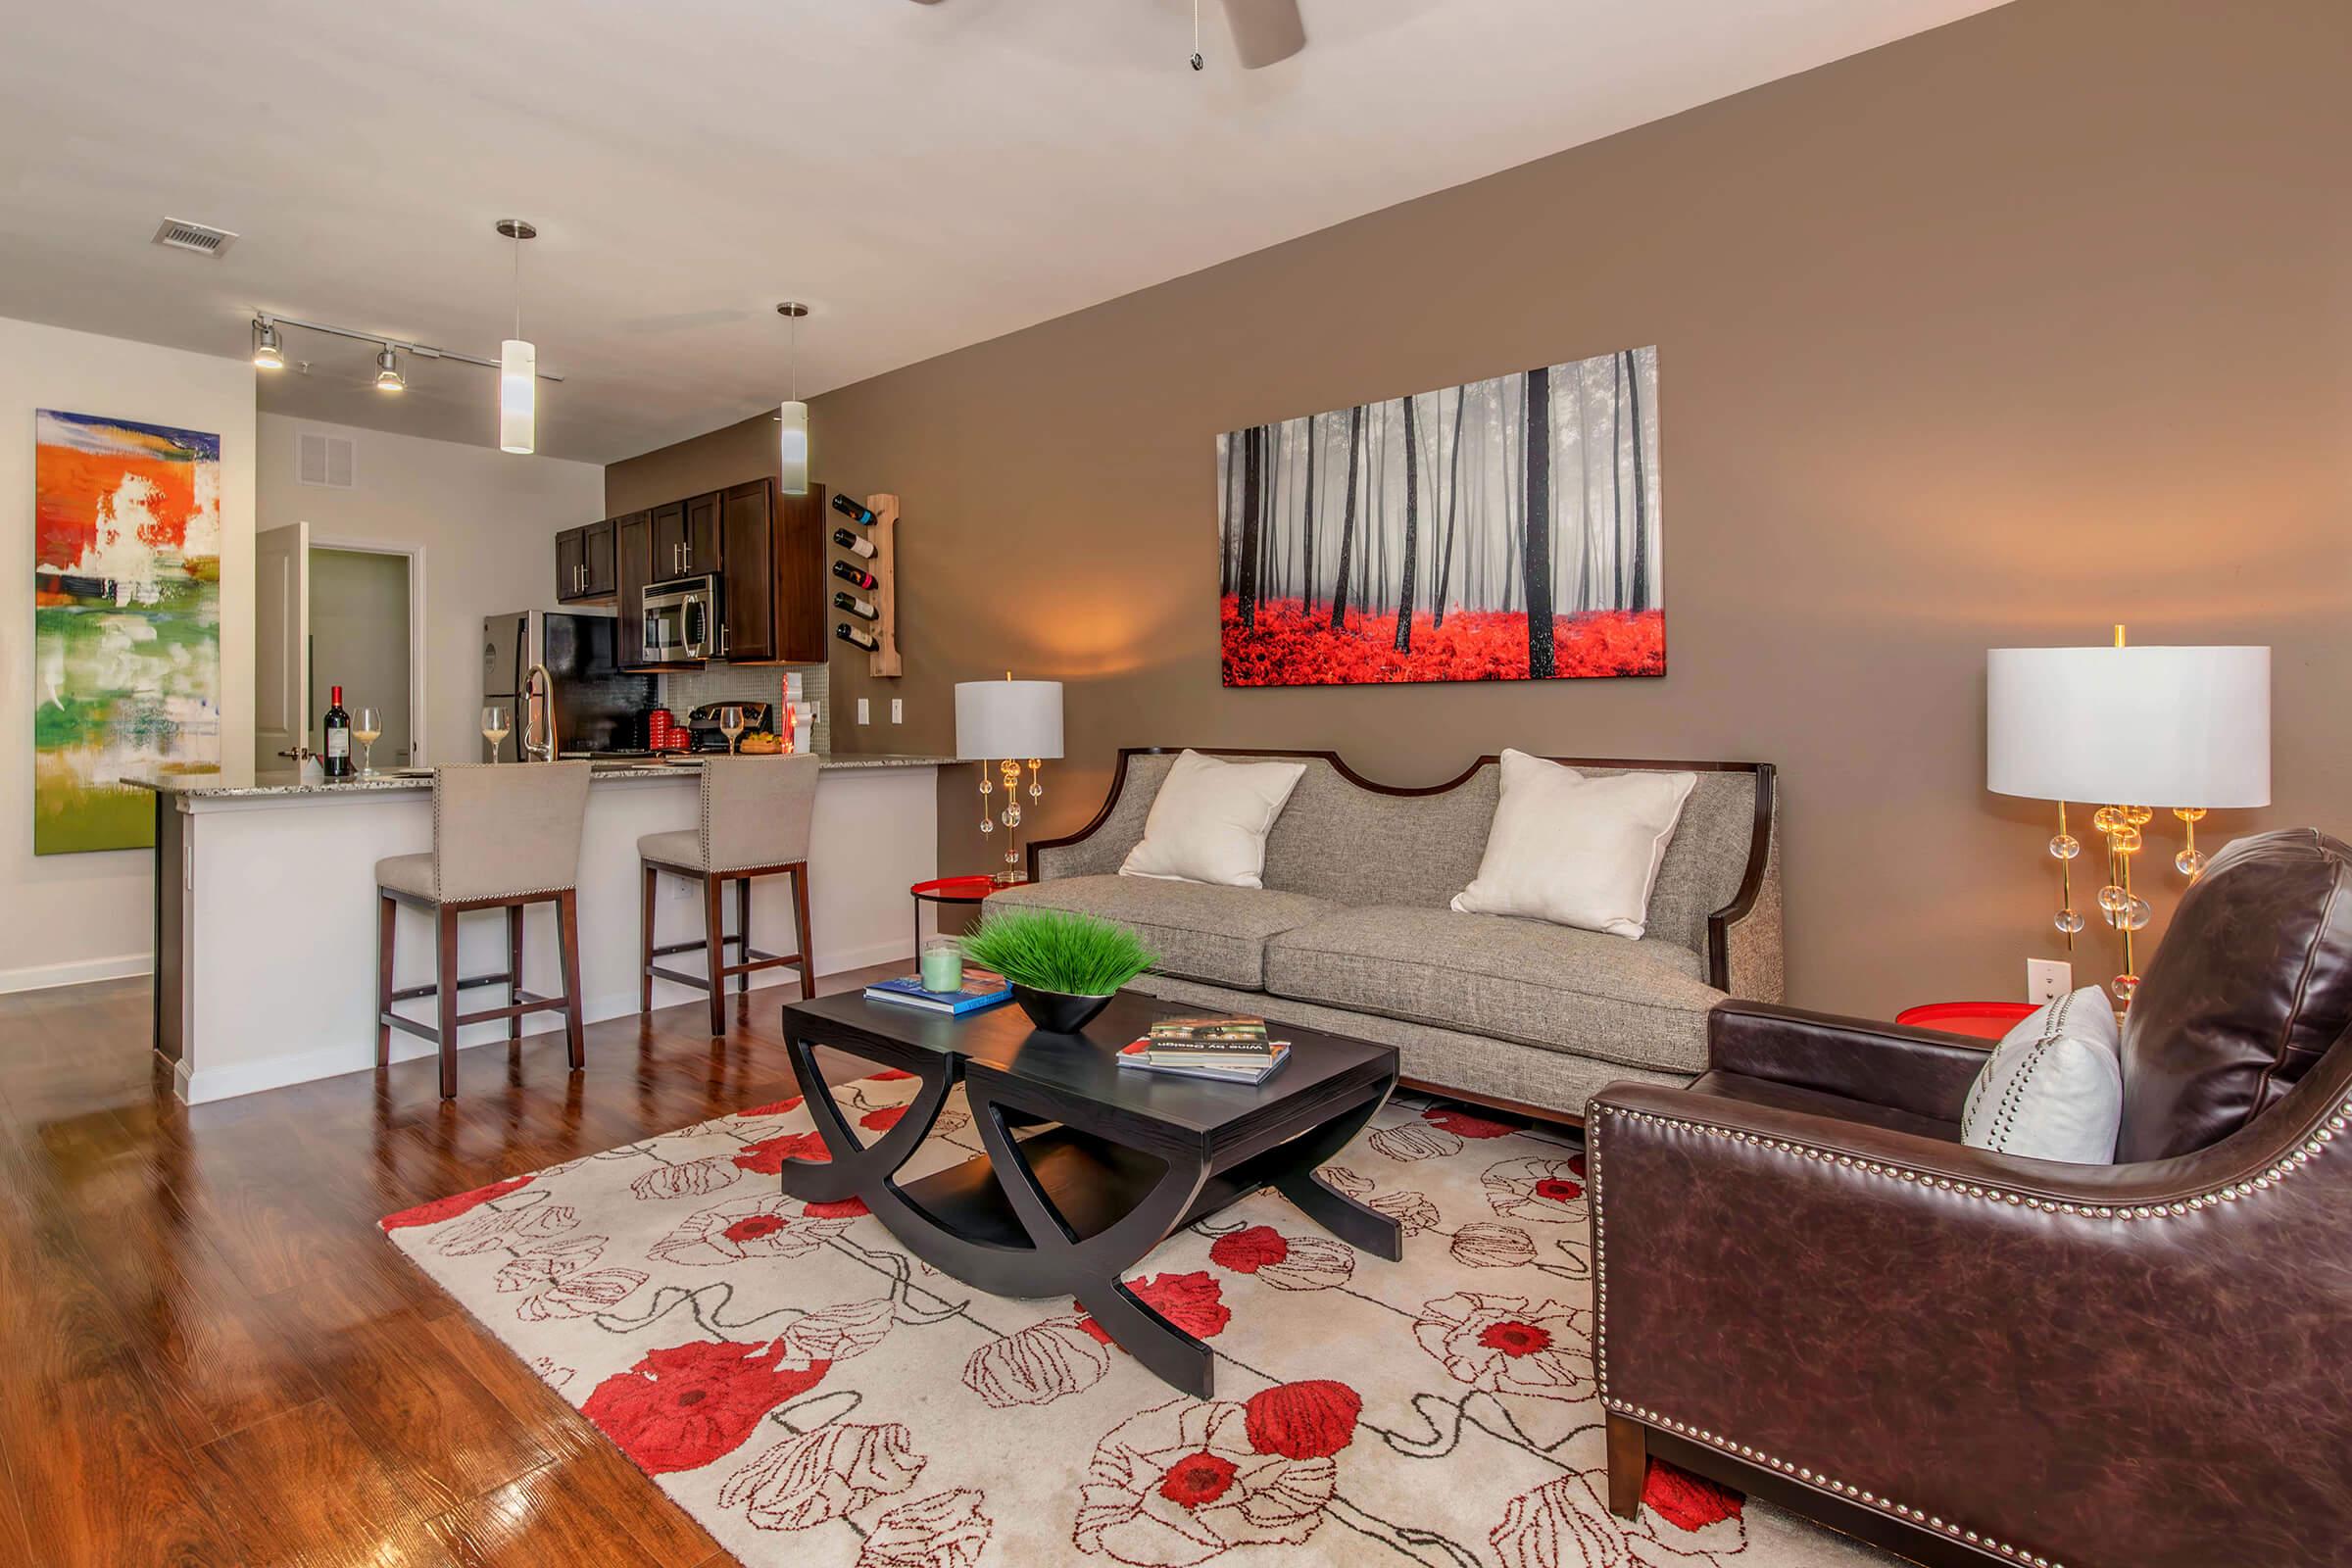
[[1351, 932]]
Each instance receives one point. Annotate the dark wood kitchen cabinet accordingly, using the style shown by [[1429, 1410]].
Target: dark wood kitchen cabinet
[[633, 570], [584, 565], [774, 609], [685, 535]]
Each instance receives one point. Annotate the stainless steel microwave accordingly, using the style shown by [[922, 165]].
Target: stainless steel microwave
[[681, 620]]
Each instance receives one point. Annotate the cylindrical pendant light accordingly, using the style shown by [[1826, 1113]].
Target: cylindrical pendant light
[[517, 362], [792, 441]]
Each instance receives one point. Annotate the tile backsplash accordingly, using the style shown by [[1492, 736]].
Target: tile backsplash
[[684, 689]]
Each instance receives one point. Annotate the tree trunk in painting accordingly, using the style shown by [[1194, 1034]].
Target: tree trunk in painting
[[1639, 599], [1539, 524], [1339, 589], [1306, 531], [1252, 440], [1233, 517], [1412, 530], [1453, 499]]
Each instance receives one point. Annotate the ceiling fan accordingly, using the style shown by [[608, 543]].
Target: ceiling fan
[[1264, 31]]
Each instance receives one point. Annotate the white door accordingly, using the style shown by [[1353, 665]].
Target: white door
[[282, 640]]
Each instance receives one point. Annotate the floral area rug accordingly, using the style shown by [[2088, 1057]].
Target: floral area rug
[[814, 1397]]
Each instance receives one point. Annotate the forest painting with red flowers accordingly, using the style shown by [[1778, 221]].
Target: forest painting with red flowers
[[1507, 529]]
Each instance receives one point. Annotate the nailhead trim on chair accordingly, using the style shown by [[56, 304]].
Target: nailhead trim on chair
[[1597, 1116]]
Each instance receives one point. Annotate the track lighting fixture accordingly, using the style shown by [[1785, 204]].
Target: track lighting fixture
[[387, 371], [269, 354]]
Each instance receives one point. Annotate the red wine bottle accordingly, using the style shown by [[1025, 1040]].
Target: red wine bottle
[[850, 634], [864, 548], [855, 576], [337, 761], [862, 609], [860, 516]]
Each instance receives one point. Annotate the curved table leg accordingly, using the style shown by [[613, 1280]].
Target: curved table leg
[[1357, 1224], [1093, 1268], [856, 1169]]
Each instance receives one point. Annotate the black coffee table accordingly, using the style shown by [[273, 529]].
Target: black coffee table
[[1089, 1166]]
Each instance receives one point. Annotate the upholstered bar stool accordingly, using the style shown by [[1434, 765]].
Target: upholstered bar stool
[[755, 813], [504, 836]]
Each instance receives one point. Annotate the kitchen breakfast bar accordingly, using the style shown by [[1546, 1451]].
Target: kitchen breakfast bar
[[265, 907]]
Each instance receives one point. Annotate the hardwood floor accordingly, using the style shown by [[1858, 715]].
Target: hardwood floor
[[209, 1354]]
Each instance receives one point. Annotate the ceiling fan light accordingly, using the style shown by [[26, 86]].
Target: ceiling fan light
[[792, 449], [517, 396]]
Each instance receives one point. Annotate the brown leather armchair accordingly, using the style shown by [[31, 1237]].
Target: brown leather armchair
[[1808, 1288]]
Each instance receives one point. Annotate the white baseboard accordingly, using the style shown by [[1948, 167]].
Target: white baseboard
[[40, 977]]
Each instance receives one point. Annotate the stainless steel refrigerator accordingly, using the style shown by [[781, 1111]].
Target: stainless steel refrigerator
[[599, 707]]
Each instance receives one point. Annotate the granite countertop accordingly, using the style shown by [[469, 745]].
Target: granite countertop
[[235, 783]]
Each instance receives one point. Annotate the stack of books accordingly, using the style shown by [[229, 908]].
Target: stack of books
[[1224, 1049], [982, 988]]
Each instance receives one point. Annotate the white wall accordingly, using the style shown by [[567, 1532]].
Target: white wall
[[66, 917], [486, 520]]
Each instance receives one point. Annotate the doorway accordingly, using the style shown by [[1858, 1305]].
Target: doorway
[[362, 621]]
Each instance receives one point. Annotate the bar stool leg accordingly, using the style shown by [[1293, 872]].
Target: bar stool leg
[[568, 935], [445, 994], [387, 920], [800, 920], [743, 933], [644, 941], [715, 942], [515, 968]]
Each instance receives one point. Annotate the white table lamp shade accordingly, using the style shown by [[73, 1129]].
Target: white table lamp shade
[[1008, 718], [2142, 726]]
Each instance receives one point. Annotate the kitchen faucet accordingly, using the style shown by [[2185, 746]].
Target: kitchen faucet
[[538, 700]]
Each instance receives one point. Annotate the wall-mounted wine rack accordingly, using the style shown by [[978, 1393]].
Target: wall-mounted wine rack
[[877, 633]]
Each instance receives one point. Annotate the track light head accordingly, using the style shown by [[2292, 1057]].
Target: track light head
[[387, 371], [269, 354]]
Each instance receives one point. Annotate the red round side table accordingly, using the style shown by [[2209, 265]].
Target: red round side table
[[1986, 1020], [951, 890]]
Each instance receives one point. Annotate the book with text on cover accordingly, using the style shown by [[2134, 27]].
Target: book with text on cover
[[1142, 1055], [982, 988]]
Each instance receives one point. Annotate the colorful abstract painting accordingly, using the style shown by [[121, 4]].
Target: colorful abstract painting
[[1502, 530], [127, 622]]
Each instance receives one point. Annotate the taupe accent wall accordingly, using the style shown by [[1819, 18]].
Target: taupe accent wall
[[1996, 335]]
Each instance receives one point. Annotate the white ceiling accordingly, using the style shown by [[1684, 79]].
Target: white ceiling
[[927, 175]]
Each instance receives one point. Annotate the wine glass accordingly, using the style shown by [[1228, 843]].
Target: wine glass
[[495, 726], [366, 725], [730, 724]]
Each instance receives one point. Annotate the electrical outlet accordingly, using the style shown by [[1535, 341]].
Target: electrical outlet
[[863, 717], [898, 709], [2047, 979]]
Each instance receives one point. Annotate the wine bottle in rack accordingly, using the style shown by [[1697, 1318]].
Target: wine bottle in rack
[[862, 609], [855, 576], [852, 635], [863, 516], [855, 546]]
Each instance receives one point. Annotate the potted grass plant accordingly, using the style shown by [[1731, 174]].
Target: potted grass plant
[[1063, 968]]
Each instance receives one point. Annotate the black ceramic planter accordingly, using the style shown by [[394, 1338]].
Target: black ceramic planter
[[1058, 1011]]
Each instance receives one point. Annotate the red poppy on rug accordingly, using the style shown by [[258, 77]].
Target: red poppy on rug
[[1193, 1303], [442, 1208], [681, 1408], [1456, 1120], [1687, 1501], [774, 1107], [768, 1157], [1310, 1420]]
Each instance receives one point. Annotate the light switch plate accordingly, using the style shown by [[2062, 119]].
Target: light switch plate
[[863, 717], [898, 709], [2047, 979]]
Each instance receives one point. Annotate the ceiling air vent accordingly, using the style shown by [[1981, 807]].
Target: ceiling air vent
[[182, 235], [330, 461]]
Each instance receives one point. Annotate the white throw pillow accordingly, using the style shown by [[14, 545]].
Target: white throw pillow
[[1209, 823], [1576, 850], [2054, 1088]]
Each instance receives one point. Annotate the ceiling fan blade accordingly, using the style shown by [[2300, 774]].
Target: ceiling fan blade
[[1265, 30]]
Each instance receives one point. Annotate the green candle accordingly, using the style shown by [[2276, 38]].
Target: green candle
[[942, 965]]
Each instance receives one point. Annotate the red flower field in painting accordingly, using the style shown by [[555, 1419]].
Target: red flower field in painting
[[1289, 646]]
